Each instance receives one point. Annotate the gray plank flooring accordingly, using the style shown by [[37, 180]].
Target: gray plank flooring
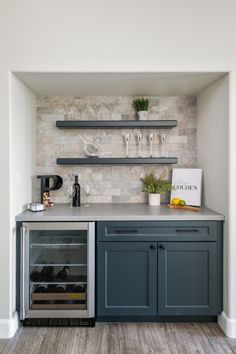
[[121, 338]]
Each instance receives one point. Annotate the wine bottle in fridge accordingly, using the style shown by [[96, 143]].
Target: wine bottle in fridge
[[44, 274], [60, 288], [36, 274], [78, 289], [41, 288], [63, 274]]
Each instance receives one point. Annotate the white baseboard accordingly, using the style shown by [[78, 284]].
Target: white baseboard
[[228, 325], [9, 326]]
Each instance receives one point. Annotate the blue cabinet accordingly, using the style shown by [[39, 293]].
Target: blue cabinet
[[188, 281], [159, 269], [126, 279]]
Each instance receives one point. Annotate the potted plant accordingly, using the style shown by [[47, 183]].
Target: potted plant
[[141, 106], [155, 187]]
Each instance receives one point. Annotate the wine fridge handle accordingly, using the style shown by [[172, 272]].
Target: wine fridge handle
[[22, 272]]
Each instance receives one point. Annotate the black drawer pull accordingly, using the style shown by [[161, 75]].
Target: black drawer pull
[[152, 247], [161, 247], [126, 231], [187, 230]]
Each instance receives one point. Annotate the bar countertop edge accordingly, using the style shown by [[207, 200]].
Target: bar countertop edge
[[118, 212]]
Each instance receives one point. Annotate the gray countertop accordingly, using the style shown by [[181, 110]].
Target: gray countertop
[[110, 212]]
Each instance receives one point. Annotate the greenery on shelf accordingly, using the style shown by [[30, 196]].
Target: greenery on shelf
[[152, 184], [141, 104]]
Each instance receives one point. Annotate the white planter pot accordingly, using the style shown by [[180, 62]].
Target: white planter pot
[[154, 199], [142, 115]]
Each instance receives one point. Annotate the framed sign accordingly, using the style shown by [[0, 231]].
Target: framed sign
[[187, 185]]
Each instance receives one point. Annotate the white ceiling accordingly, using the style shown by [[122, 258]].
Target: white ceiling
[[118, 84]]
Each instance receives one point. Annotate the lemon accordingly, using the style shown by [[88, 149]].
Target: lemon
[[175, 201], [182, 203]]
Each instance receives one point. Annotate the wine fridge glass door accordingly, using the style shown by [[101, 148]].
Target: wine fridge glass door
[[59, 271]]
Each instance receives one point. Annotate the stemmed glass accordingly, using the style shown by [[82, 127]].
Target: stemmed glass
[[151, 137], [163, 142], [71, 195], [140, 136], [87, 193], [127, 137]]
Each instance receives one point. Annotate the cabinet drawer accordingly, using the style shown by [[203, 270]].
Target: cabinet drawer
[[158, 230]]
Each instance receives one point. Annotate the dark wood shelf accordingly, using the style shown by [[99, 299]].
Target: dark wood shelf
[[115, 124], [117, 161]]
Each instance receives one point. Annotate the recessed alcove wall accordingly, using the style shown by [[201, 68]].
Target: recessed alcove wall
[[30, 91], [181, 96], [111, 183], [199, 102]]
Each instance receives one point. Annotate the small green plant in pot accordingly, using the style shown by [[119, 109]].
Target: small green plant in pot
[[155, 187], [141, 106]]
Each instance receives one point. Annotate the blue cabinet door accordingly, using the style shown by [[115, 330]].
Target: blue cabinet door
[[188, 281], [127, 279]]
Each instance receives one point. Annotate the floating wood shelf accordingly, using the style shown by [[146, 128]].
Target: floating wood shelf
[[115, 124], [117, 161]]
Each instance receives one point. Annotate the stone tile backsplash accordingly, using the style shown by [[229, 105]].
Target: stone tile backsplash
[[110, 183]]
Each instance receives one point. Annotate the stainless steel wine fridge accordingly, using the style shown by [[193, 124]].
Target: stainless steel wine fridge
[[57, 277]]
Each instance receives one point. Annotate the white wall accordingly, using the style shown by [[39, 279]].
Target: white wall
[[125, 35], [22, 166], [212, 156], [212, 143], [23, 145]]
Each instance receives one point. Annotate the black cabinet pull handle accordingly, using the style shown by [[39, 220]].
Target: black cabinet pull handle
[[187, 230], [161, 247], [152, 247], [126, 231]]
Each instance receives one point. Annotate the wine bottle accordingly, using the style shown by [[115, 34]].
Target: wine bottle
[[46, 274], [76, 193], [36, 274], [69, 288], [63, 274], [51, 288], [41, 288], [60, 288], [78, 289]]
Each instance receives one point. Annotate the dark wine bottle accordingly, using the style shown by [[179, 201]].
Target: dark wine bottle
[[42, 274], [60, 288], [63, 274], [76, 193], [78, 289], [36, 274], [41, 288], [51, 288], [47, 274], [69, 288]]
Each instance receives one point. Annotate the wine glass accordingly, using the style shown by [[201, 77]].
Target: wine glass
[[87, 193], [163, 142], [71, 195], [151, 137], [127, 136], [140, 136]]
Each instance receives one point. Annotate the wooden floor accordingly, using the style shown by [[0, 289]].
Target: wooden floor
[[122, 338]]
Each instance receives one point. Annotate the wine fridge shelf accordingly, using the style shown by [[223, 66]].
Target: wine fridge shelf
[[59, 306], [58, 296], [58, 283], [58, 265], [48, 245]]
